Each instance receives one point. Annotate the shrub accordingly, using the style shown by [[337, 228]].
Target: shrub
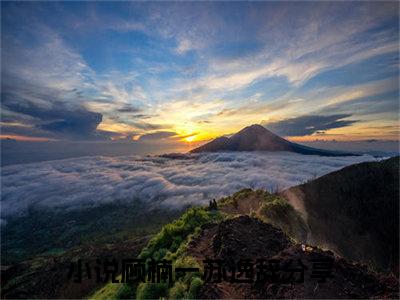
[[178, 291], [171, 243], [152, 290], [126, 291], [280, 213], [194, 289], [187, 261], [170, 238]]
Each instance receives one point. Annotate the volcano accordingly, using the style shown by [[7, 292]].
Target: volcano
[[258, 138]]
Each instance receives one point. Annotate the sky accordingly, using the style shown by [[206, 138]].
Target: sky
[[186, 72]]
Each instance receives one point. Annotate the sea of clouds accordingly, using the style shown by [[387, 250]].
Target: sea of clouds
[[91, 181]]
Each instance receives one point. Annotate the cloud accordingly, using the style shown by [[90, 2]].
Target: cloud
[[79, 122], [47, 116], [372, 88], [172, 20], [304, 50], [184, 46], [92, 181], [47, 62], [147, 126], [159, 135], [128, 109], [306, 125], [42, 87]]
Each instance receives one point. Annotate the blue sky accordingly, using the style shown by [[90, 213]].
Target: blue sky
[[189, 72]]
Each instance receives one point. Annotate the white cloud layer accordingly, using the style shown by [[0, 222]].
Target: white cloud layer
[[91, 181]]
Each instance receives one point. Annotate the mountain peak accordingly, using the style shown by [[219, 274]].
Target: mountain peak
[[254, 128]]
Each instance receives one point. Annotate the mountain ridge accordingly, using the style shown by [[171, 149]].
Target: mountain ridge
[[257, 138]]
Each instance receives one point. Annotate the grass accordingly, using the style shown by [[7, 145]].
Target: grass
[[114, 291], [240, 195], [272, 209], [171, 243], [280, 213]]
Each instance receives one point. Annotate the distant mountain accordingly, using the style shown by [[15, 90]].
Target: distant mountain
[[258, 138]]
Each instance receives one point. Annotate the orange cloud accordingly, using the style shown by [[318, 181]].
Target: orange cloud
[[25, 138]]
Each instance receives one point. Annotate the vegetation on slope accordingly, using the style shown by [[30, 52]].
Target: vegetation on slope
[[269, 208], [280, 213], [171, 244]]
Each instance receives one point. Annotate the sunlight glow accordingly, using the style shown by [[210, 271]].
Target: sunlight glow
[[190, 138]]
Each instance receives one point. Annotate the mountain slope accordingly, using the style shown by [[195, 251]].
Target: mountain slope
[[258, 138], [204, 233], [354, 211], [246, 237]]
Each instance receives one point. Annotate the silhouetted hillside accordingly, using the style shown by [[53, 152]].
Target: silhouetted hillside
[[354, 211]]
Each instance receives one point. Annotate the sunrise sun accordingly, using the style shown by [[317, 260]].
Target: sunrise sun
[[190, 138]]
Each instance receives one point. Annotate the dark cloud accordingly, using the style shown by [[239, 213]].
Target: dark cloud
[[306, 125], [143, 116], [203, 122], [225, 111], [157, 135], [128, 109], [376, 104], [45, 113], [26, 131], [54, 117], [77, 122], [147, 126]]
